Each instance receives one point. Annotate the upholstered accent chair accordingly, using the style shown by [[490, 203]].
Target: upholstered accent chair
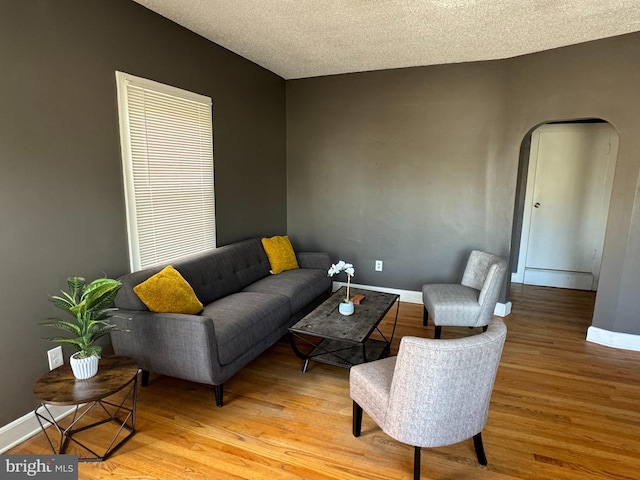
[[434, 393], [470, 303]]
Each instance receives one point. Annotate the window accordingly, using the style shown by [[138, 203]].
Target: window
[[167, 155]]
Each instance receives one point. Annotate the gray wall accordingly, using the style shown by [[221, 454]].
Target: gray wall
[[402, 166], [61, 200], [417, 166]]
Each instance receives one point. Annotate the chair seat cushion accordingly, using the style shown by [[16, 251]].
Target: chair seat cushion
[[452, 304], [370, 384]]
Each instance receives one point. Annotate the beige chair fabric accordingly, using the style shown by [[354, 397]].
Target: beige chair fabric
[[470, 303], [434, 393]]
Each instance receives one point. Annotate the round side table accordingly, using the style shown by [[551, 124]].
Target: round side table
[[111, 394]]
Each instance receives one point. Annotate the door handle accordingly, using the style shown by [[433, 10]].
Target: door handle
[[537, 205]]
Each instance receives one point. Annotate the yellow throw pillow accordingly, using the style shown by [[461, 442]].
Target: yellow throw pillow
[[280, 253], [168, 292]]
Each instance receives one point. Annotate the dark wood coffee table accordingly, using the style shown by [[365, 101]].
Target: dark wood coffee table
[[342, 340], [111, 393]]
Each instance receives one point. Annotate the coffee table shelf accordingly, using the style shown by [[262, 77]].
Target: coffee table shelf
[[343, 354]]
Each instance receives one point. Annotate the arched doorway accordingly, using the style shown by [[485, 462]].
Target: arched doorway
[[564, 188]]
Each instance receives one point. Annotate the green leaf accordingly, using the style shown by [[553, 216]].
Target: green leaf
[[100, 332], [71, 341], [79, 309], [63, 325], [63, 303], [93, 350], [76, 286], [100, 293], [105, 313]]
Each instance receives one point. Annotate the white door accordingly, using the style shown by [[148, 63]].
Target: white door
[[567, 202]]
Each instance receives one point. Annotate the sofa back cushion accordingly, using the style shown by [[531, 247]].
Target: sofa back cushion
[[212, 275], [225, 270]]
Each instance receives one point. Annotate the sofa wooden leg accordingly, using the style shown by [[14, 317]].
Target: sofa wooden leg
[[477, 443], [357, 419], [218, 392], [145, 378]]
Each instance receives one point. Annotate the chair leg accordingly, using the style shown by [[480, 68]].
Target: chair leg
[[425, 317], [438, 332], [357, 419], [477, 443], [416, 463], [218, 391], [484, 329], [145, 378]]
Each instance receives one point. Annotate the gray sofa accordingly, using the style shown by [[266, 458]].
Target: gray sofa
[[246, 310]]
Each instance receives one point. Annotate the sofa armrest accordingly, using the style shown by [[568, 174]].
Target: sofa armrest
[[176, 345], [314, 260]]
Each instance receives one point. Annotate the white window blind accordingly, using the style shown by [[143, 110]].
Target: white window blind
[[167, 153]]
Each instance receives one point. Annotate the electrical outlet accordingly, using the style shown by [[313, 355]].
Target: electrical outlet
[[55, 357], [378, 265]]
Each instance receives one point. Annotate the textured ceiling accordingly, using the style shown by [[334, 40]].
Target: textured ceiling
[[308, 38]]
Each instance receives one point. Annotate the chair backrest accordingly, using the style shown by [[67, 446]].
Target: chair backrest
[[485, 272], [441, 389]]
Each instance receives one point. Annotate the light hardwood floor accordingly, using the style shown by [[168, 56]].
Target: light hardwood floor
[[562, 408]]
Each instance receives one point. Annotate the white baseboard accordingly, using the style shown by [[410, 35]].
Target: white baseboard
[[558, 278], [410, 296], [502, 309], [607, 338], [27, 426]]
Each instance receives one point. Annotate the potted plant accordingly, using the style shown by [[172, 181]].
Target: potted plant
[[91, 306], [346, 306]]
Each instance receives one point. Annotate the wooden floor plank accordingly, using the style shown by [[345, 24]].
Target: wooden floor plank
[[562, 408]]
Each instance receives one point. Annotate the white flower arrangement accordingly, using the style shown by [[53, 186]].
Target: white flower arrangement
[[342, 266]]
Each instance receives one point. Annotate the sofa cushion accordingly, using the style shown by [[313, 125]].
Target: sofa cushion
[[280, 253], [300, 286], [225, 270], [242, 320], [168, 292]]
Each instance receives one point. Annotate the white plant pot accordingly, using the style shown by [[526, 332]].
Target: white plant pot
[[346, 308], [84, 368]]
